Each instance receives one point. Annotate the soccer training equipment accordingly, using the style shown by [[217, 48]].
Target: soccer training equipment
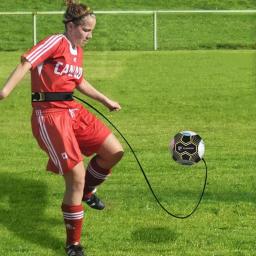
[[143, 172], [187, 148]]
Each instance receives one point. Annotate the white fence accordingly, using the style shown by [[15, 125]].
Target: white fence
[[153, 13]]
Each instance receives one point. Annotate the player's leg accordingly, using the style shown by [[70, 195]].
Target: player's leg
[[72, 208], [110, 153], [74, 181], [99, 168], [55, 136]]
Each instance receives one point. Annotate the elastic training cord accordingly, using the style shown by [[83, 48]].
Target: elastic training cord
[[143, 172]]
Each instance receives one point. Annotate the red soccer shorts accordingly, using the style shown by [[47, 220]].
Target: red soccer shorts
[[66, 135]]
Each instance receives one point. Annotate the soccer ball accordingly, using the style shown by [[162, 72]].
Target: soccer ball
[[187, 148]]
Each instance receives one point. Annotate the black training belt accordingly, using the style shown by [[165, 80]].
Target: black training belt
[[51, 96]]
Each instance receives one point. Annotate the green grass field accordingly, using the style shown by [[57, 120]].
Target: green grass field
[[135, 32], [185, 86], [210, 92], [46, 5]]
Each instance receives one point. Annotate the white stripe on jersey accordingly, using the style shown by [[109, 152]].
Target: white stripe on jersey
[[47, 45], [45, 137], [40, 68], [41, 46]]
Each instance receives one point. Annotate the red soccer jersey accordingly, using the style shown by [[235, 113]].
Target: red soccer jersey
[[56, 67]]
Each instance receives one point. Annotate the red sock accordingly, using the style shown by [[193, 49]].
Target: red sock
[[95, 175], [73, 218]]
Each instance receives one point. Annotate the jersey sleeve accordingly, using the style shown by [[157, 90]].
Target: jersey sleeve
[[80, 54], [79, 81], [42, 51]]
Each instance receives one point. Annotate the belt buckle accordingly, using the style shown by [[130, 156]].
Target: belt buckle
[[39, 96]]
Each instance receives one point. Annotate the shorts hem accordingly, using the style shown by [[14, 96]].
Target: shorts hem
[[96, 148]]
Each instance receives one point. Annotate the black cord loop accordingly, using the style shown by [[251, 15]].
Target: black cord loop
[[143, 172]]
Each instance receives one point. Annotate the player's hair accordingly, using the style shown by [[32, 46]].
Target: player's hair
[[76, 12]]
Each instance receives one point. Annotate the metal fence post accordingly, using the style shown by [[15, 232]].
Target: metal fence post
[[155, 31], [34, 28]]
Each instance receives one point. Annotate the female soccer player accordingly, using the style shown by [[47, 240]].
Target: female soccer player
[[63, 128]]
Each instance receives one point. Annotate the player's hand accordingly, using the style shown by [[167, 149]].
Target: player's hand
[[113, 105], [1, 95]]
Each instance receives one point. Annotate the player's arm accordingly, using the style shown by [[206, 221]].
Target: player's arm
[[15, 77], [86, 88]]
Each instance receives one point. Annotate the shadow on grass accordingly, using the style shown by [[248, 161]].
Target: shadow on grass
[[22, 206], [154, 235]]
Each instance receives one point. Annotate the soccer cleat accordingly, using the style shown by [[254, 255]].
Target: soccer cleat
[[94, 202], [75, 250]]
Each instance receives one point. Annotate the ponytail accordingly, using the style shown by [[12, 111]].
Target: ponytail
[[70, 2], [76, 12]]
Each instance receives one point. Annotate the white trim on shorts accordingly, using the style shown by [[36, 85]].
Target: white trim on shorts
[[46, 139]]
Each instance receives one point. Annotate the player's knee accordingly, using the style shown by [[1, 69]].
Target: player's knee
[[120, 154], [77, 186], [117, 156], [75, 183]]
